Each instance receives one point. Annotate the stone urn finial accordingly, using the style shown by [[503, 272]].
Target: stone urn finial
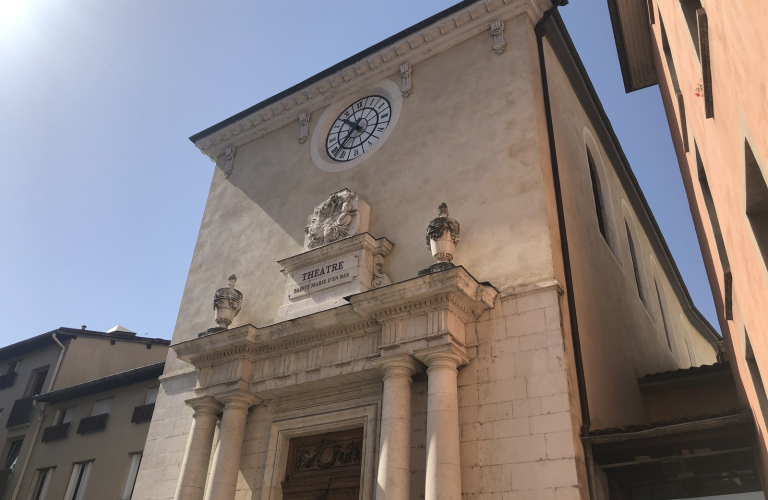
[[227, 302], [442, 237]]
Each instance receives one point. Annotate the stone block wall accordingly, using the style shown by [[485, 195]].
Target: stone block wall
[[517, 428]]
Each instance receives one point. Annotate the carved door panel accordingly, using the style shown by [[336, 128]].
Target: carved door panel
[[324, 467]]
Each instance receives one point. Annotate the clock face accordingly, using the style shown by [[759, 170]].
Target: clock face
[[358, 128]]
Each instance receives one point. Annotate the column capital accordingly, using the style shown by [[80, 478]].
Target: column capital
[[442, 356], [399, 364], [237, 399], [205, 405]]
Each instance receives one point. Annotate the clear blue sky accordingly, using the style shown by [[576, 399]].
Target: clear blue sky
[[102, 194]]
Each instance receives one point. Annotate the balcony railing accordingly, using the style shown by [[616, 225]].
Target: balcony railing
[[143, 413], [55, 432], [20, 413], [7, 380], [96, 423]]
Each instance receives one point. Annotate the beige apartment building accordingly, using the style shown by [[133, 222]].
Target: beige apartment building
[[709, 60], [428, 272], [49, 364]]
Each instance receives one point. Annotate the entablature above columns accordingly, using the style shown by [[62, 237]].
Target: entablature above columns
[[343, 343]]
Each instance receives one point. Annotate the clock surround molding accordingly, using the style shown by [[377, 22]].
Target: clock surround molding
[[317, 143]]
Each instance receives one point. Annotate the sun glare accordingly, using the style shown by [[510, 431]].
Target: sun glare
[[11, 12]]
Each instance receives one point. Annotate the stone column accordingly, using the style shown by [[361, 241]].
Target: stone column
[[194, 467], [226, 459], [443, 477], [394, 475]]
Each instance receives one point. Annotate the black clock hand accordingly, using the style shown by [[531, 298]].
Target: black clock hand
[[351, 130], [353, 124]]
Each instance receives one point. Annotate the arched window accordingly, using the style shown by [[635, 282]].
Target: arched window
[[633, 254], [596, 193], [663, 315]]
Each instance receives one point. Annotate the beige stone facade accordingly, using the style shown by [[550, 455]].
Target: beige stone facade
[[486, 379], [708, 59]]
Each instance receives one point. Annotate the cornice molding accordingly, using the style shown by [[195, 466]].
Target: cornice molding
[[438, 37]]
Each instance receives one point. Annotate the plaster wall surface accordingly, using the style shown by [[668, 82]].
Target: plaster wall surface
[[622, 335], [89, 358], [109, 449], [738, 47], [28, 363], [464, 137]]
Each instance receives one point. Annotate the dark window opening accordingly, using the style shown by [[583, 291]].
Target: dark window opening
[[754, 373], [706, 68], [757, 200], [38, 382], [13, 454], [650, 12], [596, 193], [663, 316], [689, 11], [709, 203], [635, 268]]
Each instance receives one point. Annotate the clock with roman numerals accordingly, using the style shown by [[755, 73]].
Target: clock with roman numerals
[[358, 128]]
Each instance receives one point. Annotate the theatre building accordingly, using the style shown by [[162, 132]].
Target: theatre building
[[428, 272]]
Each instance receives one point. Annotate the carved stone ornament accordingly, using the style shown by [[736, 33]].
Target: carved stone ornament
[[442, 238], [405, 72], [497, 30], [227, 303], [230, 161], [304, 117], [379, 278], [334, 219]]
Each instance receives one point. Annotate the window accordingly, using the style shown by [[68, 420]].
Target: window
[[675, 84], [63, 416], [13, 454], [40, 484], [78, 481], [706, 68], [663, 316], [37, 381], [754, 373], [689, 11], [596, 193], [9, 368], [633, 254], [151, 396], [130, 479], [757, 200], [101, 407], [709, 204]]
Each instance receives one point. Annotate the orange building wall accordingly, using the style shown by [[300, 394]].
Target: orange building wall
[[739, 51]]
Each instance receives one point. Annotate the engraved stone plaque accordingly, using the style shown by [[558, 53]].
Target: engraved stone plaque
[[325, 274]]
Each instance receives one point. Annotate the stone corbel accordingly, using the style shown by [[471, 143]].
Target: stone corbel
[[230, 152], [405, 72], [304, 117], [379, 278], [497, 30]]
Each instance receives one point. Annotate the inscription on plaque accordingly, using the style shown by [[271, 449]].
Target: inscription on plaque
[[323, 275]]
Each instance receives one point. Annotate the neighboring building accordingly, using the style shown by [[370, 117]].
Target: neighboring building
[[93, 438], [61, 358], [561, 358], [709, 60]]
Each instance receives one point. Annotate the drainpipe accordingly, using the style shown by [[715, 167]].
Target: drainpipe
[[540, 31], [31, 446], [39, 419]]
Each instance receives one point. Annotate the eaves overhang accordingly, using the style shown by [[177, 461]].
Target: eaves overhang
[[107, 383], [425, 39], [631, 31]]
